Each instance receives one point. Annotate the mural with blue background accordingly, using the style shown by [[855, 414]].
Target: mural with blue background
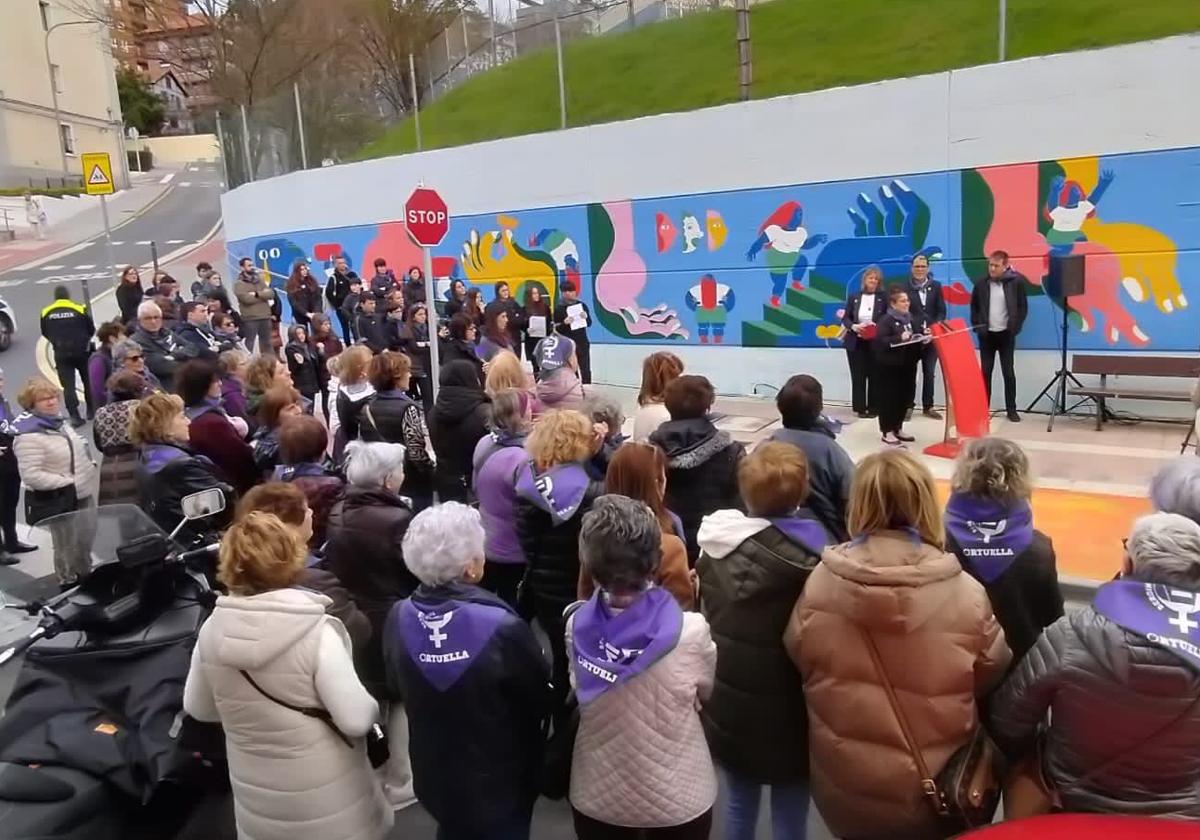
[[772, 267]]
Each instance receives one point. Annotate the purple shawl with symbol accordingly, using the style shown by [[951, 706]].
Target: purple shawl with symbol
[[290, 472], [445, 637], [612, 646], [990, 536], [1165, 615], [559, 491], [807, 533]]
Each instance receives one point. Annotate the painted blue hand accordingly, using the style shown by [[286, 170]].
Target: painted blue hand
[[691, 301], [888, 230], [1106, 178], [758, 245], [1056, 185], [814, 241]]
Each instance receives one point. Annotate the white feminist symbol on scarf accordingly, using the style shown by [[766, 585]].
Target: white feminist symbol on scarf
[[1184, 604], [436, 625]]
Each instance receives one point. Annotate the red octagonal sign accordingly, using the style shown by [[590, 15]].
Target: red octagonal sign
[[426, 217]]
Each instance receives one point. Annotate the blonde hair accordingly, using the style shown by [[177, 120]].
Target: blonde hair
[[872, 270], [505, 371], [354, 363], [36, 388], [993, 468], [151, 418], [559, 437], [260, 553], [260, 374], [773, 479], [893, 490]]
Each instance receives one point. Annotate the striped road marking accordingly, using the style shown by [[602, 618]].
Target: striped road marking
[[167, 178]]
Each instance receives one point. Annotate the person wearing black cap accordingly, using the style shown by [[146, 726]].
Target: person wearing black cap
[[572, 319], [68, 327]]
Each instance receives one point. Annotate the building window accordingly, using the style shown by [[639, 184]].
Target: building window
[[67, 135], [56, 78], [44, 8]]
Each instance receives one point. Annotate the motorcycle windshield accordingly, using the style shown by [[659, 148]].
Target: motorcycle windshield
[[99, 532]]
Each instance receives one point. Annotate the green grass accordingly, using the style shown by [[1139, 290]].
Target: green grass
[[798, 45]]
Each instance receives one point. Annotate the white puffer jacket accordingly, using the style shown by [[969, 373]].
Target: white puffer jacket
[[292, 777], [44, 460], [640, 756]]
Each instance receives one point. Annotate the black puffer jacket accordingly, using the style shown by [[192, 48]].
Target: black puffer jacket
[[750, 579], [363, 550], [165, 474], [489, 719], [393, 416], [1026, 598], [458, 420], [305, 367], [1107, 690], [701, 473]]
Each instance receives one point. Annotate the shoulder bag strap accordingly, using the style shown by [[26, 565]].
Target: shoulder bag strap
[[319, 714], [1100, 768], [928, 785]]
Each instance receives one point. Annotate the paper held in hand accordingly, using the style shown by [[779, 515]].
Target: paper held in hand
[[576, 317], [537, 326]]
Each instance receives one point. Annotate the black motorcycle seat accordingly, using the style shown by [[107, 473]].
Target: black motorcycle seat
[[19, 783]]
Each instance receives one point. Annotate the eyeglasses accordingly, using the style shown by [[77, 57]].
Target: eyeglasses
[[134, 358]]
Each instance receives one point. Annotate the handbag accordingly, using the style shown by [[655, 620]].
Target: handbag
[[378, 751], [43, 504], [965, 793], [1029, 792]]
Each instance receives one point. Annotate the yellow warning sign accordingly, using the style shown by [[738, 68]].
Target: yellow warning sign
[[97, 173]]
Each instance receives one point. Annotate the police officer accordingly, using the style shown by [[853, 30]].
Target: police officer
[[68, 327]]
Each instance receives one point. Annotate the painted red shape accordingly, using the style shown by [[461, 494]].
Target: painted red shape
[[426, 217], [956, 293], [965, 392], [326, 251], [1074, 826]]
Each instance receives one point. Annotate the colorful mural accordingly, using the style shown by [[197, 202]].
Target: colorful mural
[[772, 267]]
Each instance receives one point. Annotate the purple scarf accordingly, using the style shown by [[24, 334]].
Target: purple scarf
[[559, 491], [30, 422], [610, 647], [444, 637], [206, 405], [990, 535], [1165, 615], [809, 534], [155, 456]]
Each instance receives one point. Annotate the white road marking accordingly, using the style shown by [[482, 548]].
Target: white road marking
[[221, 184], [193, 169], [7, 284], [145, 242], [85, 267], [176, 241], [117, 242], [53, 267], [185, 183], [167, 178]]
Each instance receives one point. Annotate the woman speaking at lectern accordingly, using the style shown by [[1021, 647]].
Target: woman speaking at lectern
[[895, 374]]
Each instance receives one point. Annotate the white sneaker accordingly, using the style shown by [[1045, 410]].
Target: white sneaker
[[400, 797], [891, 440]]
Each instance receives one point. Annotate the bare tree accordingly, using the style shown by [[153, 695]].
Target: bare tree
[[389, 31]]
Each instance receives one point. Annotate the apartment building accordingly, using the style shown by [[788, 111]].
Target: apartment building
[[51, 111]]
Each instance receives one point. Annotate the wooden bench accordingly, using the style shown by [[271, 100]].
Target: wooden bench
[[1104, 366]]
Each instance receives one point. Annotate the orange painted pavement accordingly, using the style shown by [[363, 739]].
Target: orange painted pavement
[[1087, 528]]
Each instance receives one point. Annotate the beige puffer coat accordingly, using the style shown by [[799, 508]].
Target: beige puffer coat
[[942, 648], [44, 460]]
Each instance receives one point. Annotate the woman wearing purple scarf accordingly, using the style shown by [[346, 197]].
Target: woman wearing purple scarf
[[641, 669], [989, 527]]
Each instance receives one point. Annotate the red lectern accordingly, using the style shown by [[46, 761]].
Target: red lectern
[[967, 411]]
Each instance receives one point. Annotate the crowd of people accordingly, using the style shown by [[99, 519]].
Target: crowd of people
[[779, 618]]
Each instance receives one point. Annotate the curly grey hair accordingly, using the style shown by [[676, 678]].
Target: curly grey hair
[[1176, 488], [442, 542], [620, 543], [602, 408], [370, 465], [993, 468], [123, 349], [1165, 548]]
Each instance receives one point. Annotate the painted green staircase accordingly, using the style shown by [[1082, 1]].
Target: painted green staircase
[[794, 322]]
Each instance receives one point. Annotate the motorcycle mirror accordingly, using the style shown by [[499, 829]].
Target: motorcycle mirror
[[203, 504]]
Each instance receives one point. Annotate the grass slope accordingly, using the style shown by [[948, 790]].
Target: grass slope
[[798, 45]]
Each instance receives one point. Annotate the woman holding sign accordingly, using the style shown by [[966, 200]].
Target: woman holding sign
[[536, 318]]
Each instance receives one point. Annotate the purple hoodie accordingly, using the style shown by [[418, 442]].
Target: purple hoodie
[[100, 367], [497, 458], [233, 397]]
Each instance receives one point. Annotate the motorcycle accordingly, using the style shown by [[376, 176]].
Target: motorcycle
[[94, 742]]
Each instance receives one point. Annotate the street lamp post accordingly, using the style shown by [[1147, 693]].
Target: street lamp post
[[62, 151]]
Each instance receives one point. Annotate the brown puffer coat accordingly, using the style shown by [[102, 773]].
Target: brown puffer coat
[[942, 648]]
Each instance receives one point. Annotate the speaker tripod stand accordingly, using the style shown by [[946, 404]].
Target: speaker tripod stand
[[1056, 388]]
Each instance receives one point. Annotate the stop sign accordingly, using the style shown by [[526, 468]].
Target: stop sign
[[426, 217]]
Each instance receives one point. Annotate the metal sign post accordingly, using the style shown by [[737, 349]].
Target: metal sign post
[[432, 319], [427, 220], [98, 180]]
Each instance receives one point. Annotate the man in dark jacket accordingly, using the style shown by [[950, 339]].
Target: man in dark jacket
[[702, 461], [458, 421], [1120, 680], [370, 327], [414, 286], [572, 319], [473, 681], [998, 309], [196, 338], [336, 290], [158, 343], [383, 281], [830, 470], [928, 307], [68, 327]]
